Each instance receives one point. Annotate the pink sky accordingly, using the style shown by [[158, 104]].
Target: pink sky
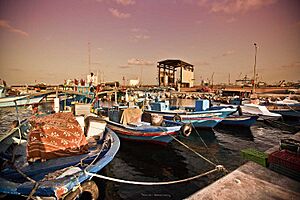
[[47, 41]]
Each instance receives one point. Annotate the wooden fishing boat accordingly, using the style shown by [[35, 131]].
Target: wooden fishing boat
[[20, 100], [129, 124], [47, 164], [241, 121], [199, 118], [261, 111]]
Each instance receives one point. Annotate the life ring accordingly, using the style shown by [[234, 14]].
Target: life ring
[[177, 118], [87, 190], [186, 130]]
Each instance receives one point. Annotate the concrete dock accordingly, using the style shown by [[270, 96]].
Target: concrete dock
[[252, 181]]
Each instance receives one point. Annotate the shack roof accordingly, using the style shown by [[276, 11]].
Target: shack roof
[[174, 63]]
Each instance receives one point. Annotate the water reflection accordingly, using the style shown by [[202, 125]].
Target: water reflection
[[240, 132]]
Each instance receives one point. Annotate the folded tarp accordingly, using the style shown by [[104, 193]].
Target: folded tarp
[[131, 115], [55, 135]]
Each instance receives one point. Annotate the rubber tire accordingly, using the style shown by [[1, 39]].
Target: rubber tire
[[177, 118], [186, 130], [89, 187]]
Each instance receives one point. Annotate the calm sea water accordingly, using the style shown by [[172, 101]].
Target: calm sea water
[[147, 162]]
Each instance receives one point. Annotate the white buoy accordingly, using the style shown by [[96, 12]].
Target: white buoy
[[56, 104]]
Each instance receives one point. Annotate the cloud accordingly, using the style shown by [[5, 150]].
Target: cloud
[[239, 6], [116, 13], [6, 26], [136, 61], [202, 2], [297, 24], [135, 30], [140, 34], [203, 63], [231, 20], [125, 2], [141, 37], [295, 65], [228, 53], [124, 66], [16, 69], [198, 21]]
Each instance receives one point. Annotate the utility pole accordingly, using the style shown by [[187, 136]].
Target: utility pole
[[254, 70], [212, 80], [89, 51]]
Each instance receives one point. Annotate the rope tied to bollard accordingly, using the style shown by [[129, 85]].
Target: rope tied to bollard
[[218, 168]]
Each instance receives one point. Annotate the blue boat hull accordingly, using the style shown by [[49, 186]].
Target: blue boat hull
[[12, 182], [243, 121], [202, 119]]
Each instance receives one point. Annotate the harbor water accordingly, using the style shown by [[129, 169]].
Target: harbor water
[[155, 163]]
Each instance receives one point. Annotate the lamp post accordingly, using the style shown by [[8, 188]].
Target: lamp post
[[254, 71]]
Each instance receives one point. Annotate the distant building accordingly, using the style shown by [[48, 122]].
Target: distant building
[[134, 82], [244, 82], [175, 72]]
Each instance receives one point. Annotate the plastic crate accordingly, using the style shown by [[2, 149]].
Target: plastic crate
[[255, 156], [285, 171], [285, 159], [291, 145]]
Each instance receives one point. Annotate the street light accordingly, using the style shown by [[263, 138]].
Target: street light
[[254, 71]]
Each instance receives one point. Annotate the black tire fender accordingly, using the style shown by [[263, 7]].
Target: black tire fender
[[88, 188], [186, 130], [177, 118]]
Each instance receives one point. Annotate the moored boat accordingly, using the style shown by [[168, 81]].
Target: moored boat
[[20, 100], [200, 116], [261, 111], [128, 124], [48, 158], [241, 121]]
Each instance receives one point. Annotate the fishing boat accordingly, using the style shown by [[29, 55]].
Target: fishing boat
[[237, 118], [241, 121], [20, 100], [49, 156], [288, 108], [200, 116], [131, 124], [261, 111]]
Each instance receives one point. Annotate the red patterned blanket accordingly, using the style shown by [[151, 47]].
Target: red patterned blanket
[[55, 135]]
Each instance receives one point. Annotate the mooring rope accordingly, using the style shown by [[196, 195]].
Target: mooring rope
[[291, 108], [203, 141], [218, 168], [198, 154], [199, 135]]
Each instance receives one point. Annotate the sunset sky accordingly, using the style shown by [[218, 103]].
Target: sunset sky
[[47, 40]]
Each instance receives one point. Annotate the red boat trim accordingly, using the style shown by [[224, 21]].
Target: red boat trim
[[147, 141], [202, 118], [139, 133]]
